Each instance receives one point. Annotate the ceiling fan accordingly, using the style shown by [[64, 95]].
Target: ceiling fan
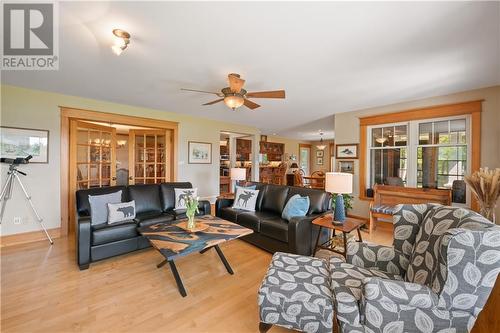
[[235, 96]]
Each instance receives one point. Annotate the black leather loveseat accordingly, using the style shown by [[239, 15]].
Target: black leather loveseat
[[271, 232], [154, 203]]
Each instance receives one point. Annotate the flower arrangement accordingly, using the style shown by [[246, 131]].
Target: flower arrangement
[[485, 185], [191, 211]]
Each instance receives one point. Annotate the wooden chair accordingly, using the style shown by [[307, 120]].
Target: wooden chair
[[299, 178], [279, 175], [386, 197]]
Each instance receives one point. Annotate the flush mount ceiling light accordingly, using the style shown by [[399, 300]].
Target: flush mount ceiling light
[[321, 145], [121, 41]]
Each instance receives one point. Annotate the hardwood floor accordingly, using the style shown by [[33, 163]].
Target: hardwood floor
[[42, 290]]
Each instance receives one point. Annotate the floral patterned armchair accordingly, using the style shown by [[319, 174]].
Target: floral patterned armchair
[[436, 277]]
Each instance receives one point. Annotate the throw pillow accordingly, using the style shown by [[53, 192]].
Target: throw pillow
[[296, 206], [99, 206], [124, 211], [181, 195], [245, 199], [248, 187]]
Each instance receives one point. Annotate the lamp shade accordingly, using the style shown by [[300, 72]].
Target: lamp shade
[[338, 182], [238, 174], [294, 166]]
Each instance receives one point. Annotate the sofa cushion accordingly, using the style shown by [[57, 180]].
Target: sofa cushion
[[346, 285], [82, 197], [383, 209], [230, 213], [252, 220], [274, 199], [181, 213], [106, 233], [147, 198], [168, 194], [262, 190], [319, 200], [146, 219], [295, 294], [276, 228]]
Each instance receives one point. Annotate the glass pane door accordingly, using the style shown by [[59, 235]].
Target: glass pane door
[[304, 159], [148, 151], [94, 159]]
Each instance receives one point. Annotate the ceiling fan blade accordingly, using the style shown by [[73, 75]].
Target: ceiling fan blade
[[267, 94], [203, 91], [251, 105], [235, 83], [213, 102]]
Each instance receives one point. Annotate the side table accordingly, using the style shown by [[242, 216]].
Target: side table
[[326, 221]]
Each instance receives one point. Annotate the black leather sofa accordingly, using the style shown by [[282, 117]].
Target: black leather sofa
[[154, 203], [271, 232]]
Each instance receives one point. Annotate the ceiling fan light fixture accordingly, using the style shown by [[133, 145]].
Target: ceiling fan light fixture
[[234, 101], [122, 40]]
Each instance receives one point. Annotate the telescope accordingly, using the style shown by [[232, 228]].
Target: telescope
[[17, 160], [6, 194]]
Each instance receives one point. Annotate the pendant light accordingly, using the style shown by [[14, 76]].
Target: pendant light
[[321, 145]]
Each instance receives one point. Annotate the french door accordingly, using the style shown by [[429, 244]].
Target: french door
[[149, 152], [92, 161], [305, 158]]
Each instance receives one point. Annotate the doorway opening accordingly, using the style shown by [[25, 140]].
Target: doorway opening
[[103, 149], [235, 152]]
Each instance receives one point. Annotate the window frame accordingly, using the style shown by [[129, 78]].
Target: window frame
[[412, 145], [471, 108]]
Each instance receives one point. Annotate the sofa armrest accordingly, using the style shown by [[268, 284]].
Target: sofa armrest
[[83, 235], [204, 207], [376, 289], [369, 255], [221, 203], [302, 234]]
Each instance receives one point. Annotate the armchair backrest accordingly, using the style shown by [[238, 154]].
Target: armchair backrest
[[456, 252]]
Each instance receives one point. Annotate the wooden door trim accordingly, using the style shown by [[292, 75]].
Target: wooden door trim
[[70, 113]]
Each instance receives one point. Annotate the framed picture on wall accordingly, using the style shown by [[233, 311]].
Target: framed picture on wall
[[199, 152], [21, 142], [319, 160], [320, 153], [345, 166], [347, 151]]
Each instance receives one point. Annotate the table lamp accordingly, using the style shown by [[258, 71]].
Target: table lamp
[[238, 174], [338, 183]]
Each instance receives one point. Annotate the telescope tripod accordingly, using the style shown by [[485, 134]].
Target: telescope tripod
[[7, 194]]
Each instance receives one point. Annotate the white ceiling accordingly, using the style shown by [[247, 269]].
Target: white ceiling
[[330, 57]]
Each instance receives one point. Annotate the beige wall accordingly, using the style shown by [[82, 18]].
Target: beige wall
[[38, 109], [326, 156], [347, 129]]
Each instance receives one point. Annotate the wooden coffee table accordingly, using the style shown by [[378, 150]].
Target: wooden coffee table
[[326, 221], [174, 242]]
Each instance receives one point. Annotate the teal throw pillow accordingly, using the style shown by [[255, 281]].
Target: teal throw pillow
[[296, 206]]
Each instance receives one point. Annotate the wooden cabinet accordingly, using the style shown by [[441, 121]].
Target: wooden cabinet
[[273, 150], [243, 149]]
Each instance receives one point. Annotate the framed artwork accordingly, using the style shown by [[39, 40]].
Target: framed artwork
[[347, 151], [319, 160], [320, 153], [21, 142], [345, 166], [199, 152]]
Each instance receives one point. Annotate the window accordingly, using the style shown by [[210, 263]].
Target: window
[[429, 153], [388, 155]]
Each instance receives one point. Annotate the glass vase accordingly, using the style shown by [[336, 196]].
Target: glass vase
[[488, 212], [191, 223]]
